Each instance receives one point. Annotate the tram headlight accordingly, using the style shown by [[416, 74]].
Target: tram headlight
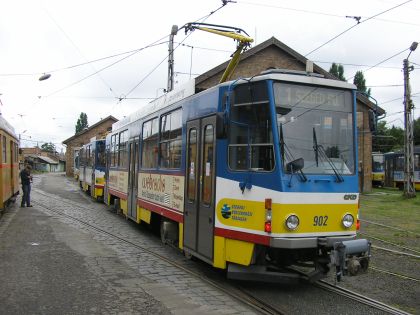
[[348, 220], [292, 222]]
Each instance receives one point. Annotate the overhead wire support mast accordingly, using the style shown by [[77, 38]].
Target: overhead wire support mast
[[409, 189], [244, 41], [170, 85]]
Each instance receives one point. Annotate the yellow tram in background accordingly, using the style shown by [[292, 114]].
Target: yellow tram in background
[[9, 164], [378, 169]]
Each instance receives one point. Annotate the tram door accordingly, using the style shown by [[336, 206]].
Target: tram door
[[133, 178], [12, 169], [199, 190]]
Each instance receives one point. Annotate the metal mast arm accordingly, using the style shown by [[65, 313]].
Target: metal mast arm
[[227, 31]]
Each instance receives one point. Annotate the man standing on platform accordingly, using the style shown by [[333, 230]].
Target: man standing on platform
[[26, 179]]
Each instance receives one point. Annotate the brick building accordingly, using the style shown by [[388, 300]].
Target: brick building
[[98, 130], [41, 160], [274, 54]]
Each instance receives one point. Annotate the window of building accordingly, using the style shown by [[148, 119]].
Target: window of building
[[150, 142], [170, 139]]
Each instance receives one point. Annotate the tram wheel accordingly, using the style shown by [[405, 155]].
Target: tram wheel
[[188, 255]]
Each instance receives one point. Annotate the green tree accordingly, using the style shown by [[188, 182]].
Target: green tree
[[337, 70], [82, 123], [48, 147], [360, 81], [416, 131], [387, 139]]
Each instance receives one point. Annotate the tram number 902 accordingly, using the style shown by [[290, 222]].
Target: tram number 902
[[320, 220]]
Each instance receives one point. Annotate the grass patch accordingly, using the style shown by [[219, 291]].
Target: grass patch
[[390, 207]]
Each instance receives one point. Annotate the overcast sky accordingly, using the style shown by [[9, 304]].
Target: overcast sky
[[63, 37]]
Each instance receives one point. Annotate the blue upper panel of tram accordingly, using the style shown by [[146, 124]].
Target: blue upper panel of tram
[[212, 100]]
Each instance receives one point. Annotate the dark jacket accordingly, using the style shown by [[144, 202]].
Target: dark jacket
[[25, 177]]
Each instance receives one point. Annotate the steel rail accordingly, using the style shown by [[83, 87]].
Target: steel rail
[[388, 242], [389, 227], [405, 277], [235, 293], [359, 298], [396, 252]]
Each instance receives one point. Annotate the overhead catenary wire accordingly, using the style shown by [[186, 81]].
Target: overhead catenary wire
[[358, 23], [381, 62], [396, 99], [189, 46], [78, 49], [224, 2], [106, 67], [259, 4]]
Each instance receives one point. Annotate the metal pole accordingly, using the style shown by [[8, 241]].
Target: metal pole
[[409, 189], [170, 86]]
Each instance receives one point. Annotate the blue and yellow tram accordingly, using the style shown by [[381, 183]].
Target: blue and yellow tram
[[394, 169], [92, 163], [9, 164], [378, 169], [253, 175]]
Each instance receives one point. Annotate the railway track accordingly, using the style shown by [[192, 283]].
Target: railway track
[[389, 243], [359, 298], [258, 304], [241, 295], [389, 227], [395, 274]]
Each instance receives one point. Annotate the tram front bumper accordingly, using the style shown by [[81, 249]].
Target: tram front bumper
[[308, 242]]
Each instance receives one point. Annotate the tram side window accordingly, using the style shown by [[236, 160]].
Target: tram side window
[[82, 157], [192, 177], [89, 155], [100, 148], [170, 140], [114, 149], [150, 149], [122, 150], [16, 152], [4, 150], [399, 165], [250, 132]]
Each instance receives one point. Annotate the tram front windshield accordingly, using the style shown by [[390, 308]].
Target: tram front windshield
[[315, 124], [377, 163]]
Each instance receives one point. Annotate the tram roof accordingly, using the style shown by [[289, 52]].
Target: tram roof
[[4, 125], [255, 52], [401, 152]]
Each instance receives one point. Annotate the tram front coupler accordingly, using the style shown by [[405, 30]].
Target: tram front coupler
[[350, 257]]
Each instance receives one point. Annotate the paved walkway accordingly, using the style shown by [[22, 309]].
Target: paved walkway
[[53, 265], [41, 274]]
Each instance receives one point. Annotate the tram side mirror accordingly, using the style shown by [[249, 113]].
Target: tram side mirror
[[221, 128], [295, 165], [372, 121]]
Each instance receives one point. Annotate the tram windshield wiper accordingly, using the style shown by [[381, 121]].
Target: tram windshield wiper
[[296, 165], [320, 152], [315, 146]]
